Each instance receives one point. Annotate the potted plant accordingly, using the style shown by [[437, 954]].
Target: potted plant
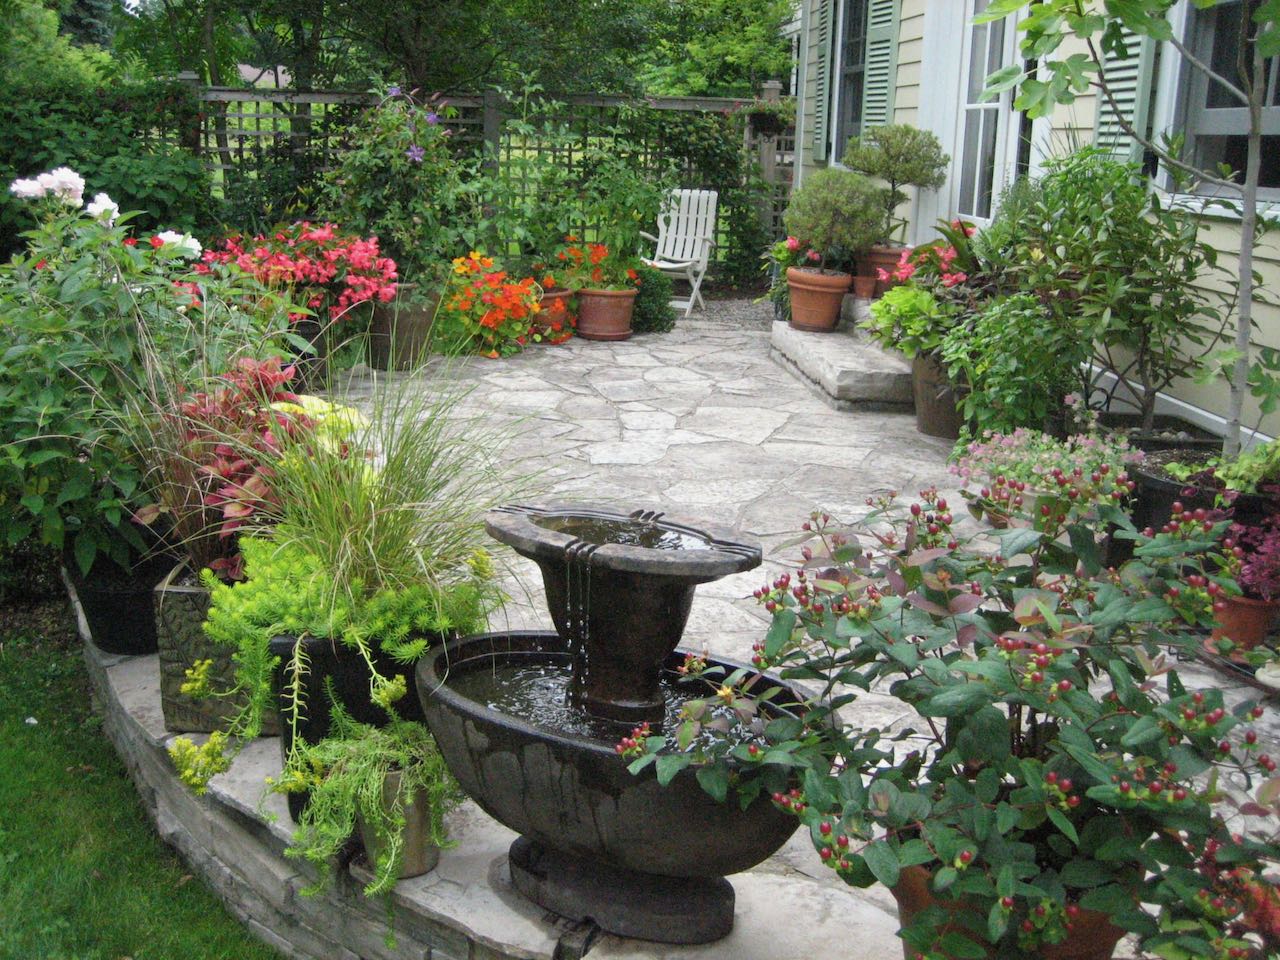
[[388, 785], [1053, 784], [485, 309], [403, 182], [835, 215], [374, 552], [900, 156], [606, 286], [1246, 617], [330, 275], [71, 306]]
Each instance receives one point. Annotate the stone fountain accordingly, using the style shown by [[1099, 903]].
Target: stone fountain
[[528, 722]]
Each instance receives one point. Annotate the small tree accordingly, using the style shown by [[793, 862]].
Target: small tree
[[1102, 27], [901, 156]]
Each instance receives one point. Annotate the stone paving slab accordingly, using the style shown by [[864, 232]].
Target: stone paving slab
[[847, 370]]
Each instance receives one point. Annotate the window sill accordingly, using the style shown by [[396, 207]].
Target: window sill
[[1212, 207]]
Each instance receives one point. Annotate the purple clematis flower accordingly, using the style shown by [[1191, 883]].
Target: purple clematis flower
[[433, 118], [393, 92], [415, 153]]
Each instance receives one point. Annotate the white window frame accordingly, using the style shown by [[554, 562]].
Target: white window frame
[[837, 84], [1168, 110]]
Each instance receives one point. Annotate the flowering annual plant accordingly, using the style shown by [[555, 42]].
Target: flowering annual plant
[[328, 271], [947, 262], [1053, 772], [593, 266], [555, 320], [491, 311]]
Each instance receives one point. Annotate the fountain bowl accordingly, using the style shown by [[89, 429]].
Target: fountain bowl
[[595, 840], [621, 582]]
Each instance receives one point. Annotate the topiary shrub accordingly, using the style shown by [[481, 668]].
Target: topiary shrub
[[653, 310], [837, 213]]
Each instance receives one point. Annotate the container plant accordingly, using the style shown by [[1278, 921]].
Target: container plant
[[374, 553], [1246, 618], [404, 182], [485, 309], [835, 216], [607, 285], [72, 306], [898, 155], [1054, 784], [388, 785]]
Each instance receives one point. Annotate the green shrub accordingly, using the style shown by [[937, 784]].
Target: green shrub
[[837, 213], [115, 137], [653, 311]]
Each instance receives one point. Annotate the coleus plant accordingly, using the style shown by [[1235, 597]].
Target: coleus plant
[[1055, 764]]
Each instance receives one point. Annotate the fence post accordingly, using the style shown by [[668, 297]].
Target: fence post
[[767, 145], [492, 119]]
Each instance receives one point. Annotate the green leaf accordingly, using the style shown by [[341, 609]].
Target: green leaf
[[669, 764], [1062, 823], [945, 878], [997, 922], [882, 861], [957, 701], [960, 947], [780, 630], [1018, 540], [715, 781]]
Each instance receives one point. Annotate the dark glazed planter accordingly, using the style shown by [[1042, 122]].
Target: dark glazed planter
[[816, 298], [181, 609], [640, 859], [628, 603], [331, 663], [1093, 936], [400, 333], [937, 414], [117, 604], [605, 314]]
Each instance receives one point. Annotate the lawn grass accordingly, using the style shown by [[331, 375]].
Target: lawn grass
[[83, 876]]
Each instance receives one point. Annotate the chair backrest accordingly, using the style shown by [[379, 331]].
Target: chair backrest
[[686, 224]]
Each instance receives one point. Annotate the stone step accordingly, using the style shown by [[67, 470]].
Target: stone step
[[464, 909], [844, 367]]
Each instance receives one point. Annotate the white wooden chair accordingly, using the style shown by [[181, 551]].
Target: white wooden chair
[[686, 234]]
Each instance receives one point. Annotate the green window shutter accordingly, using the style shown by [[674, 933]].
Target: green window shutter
[[1131, 79], [825, 36], [882, 63]]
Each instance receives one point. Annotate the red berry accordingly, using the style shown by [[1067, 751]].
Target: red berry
[[1064, 685], [1124, 786], [966, 856], [1007, 903], [824, 828]]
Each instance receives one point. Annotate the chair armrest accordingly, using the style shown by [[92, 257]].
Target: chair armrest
[[649, 236]]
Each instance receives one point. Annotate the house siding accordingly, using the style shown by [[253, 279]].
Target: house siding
[[906, 103]]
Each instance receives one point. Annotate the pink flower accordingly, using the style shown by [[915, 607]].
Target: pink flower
[[882, 274], [793, 244], [951, 279], [814, 256]]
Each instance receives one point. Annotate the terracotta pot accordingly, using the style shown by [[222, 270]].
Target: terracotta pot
[[605, 314], [1092, 936], [937, 411], [1246, 622], [400, 333], [816, 297], [880, 257], [864, 287], [557, 309]]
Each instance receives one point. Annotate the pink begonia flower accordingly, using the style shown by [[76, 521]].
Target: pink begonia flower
[[814, 256], [793, 244], [951, 279]]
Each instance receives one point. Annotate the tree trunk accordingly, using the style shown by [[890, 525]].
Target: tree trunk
[[1248, 224]]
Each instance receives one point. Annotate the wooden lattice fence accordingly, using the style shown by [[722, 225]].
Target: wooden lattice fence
[[237, 128]]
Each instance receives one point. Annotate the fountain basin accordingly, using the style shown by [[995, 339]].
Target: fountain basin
[[612, 838], [620, 584]]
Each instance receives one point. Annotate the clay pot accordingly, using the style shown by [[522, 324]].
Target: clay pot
[[400, 334], [1092, 937], [557, 308], [880, 257], [864, 287], [937, 412], [1246, 622], [605, 314], [816, 297]]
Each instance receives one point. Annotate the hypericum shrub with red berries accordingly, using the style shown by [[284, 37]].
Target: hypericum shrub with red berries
[[1052, 764]]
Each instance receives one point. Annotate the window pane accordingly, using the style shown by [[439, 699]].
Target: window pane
[[977, 60], [987, 163], [1233, 151], [853, 55], [969, 161]]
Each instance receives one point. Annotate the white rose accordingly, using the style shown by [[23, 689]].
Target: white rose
[[187, 245], [65, 184], [103, 207], [27, 189]]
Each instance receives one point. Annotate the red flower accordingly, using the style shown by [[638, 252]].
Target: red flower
[[156, 242], [130, 242]]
